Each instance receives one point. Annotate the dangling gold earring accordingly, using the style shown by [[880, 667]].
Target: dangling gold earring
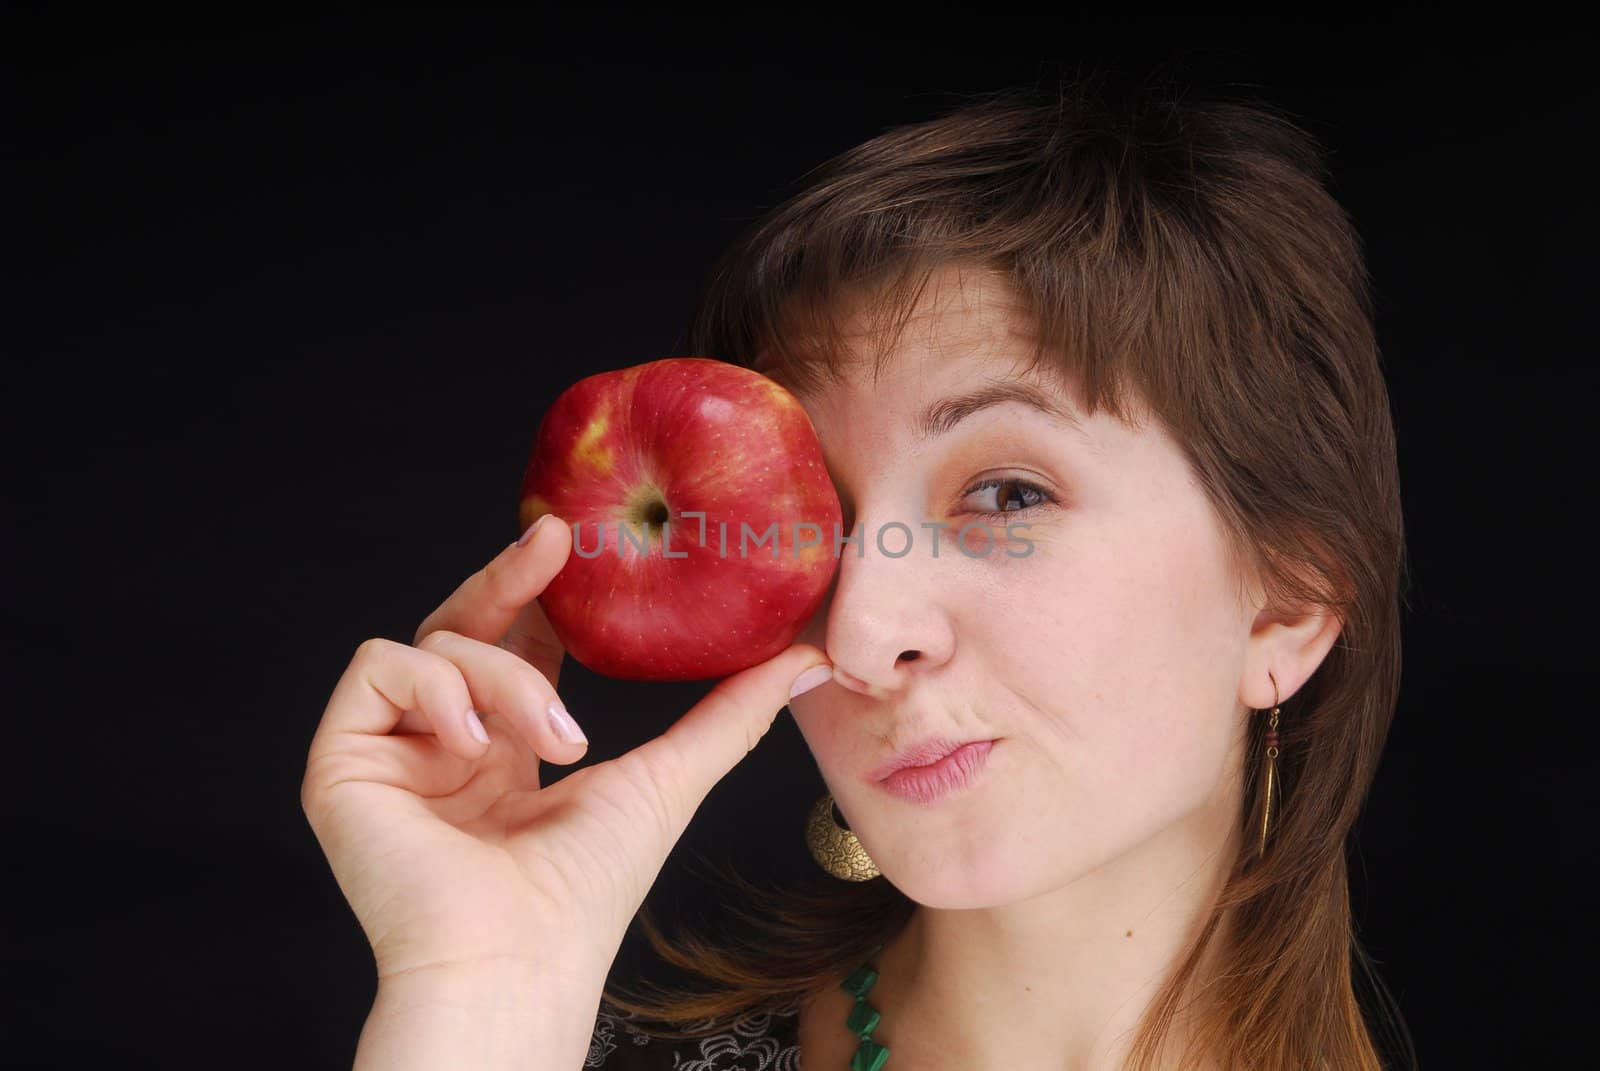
[[834, 847], [1270, 782]]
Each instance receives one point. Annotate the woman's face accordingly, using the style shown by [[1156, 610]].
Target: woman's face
[[1106, 661]]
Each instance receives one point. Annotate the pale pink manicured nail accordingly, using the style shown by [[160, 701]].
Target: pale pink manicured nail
[[475, 727], [811, 678], [527, 537], [565, 727]]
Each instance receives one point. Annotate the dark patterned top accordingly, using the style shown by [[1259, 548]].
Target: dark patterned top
[[767, 1042]]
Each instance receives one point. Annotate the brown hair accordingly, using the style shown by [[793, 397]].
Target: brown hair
[[1181, 256]]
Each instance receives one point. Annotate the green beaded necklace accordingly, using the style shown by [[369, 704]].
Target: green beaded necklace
[[863, 1018]]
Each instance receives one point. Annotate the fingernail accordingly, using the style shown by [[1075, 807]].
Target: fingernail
[[811, 678], [475, 727], [564, 726], [532, 528]]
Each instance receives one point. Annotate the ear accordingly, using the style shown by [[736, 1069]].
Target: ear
[[1286, 647]]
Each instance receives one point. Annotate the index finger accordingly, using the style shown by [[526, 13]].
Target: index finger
[[497, 603]]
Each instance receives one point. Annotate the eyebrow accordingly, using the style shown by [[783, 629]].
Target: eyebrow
[[942, 416]]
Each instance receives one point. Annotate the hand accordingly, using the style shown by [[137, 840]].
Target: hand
[[447, 849]]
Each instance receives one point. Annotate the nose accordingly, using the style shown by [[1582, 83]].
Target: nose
[[886, 624]]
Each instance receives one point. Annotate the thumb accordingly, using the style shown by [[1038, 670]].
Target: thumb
[[730, 721]]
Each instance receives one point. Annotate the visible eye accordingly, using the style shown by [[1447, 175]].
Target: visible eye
[[1010, 495]]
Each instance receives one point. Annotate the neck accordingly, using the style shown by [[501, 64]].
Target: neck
[[1058, 980]]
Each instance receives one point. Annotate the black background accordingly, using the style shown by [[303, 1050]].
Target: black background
[[291, 293]]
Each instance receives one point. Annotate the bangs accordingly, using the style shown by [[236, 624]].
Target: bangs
[[827, 326], [830, 279]]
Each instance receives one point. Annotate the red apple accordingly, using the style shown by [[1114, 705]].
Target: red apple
[[670, 474]]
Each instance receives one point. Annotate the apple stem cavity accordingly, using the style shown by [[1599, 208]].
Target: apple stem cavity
[[649, 511]]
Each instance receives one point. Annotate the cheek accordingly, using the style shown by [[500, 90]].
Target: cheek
[[1169, 662], [1126, 664]]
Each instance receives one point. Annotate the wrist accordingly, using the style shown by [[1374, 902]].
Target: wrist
[[503, 1013]]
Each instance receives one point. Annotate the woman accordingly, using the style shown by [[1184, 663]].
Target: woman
[[1137, 346]]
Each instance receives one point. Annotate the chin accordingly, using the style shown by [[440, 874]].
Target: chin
[[944, 878]]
